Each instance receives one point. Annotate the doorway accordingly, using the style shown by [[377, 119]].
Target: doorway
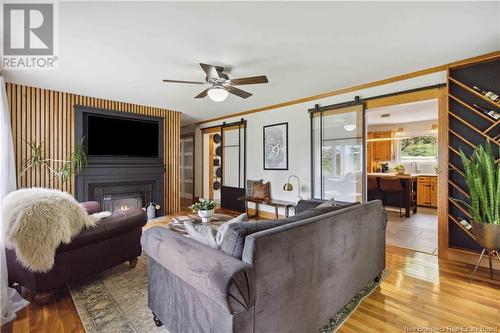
[[402, 162], [186, 159]]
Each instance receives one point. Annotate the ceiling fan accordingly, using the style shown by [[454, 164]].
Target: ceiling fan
[[221, 85]]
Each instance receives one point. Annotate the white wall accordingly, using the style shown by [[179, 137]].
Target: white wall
[[299, 136]]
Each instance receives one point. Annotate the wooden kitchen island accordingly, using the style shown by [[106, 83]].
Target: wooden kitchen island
[[409, 183]]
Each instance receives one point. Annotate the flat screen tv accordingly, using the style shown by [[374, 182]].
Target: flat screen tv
[[121, 136]]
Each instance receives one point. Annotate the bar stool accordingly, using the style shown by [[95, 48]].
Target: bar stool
[[392, 186], [372, 187]]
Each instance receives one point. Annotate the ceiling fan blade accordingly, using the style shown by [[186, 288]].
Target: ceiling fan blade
[[250, 80], [202, 94], [211, 71], [238, 92], [179, 81]]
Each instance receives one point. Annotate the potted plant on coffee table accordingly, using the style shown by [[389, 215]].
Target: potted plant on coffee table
[[482, 176], [205, 209]]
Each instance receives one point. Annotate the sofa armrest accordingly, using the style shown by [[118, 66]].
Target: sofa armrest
[[117, 224], [304, 205], [224, 279], [91, 207]]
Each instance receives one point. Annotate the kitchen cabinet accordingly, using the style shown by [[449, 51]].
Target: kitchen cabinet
[[379, 151], [427, 191]]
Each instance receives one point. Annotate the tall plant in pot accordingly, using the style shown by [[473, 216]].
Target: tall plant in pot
[[482, 175], [205, 209]]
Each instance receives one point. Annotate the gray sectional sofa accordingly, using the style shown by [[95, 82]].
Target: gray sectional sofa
[[287, 275]]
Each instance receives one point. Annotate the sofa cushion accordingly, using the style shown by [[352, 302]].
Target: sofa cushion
[[115, 225], [234, 240]]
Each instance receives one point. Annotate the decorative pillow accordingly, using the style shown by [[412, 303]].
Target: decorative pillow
[[261, 191], [221, 232], [249, 187], [206, 234], [329, 203], [203, 234]]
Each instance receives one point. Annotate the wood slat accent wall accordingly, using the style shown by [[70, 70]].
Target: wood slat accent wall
[[47, 116]]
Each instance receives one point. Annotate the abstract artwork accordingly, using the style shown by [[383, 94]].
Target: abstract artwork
[[276, 147]]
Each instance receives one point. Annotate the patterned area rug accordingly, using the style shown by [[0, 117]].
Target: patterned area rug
[[116, 301]]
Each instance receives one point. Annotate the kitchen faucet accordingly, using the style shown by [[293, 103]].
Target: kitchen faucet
[[416, 166]]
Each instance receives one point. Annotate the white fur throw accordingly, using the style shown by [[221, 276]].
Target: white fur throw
[[38, 220]]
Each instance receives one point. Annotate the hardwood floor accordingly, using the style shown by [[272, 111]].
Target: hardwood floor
[[421, 291]]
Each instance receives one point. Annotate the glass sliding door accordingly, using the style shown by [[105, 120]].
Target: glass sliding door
[[338, 148], [233, 165]]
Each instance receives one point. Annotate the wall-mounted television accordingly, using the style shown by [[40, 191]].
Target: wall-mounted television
[[117, 136]]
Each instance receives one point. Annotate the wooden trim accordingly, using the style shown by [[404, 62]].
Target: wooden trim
[[47, 116], [442, 202], [397, 78], [417, 96], [210, 130]]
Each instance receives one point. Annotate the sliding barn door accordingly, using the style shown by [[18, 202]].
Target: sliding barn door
[[233, 165], [338, 149]]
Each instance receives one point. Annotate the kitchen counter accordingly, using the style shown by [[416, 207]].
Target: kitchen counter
[[407, 199], [403, 176]]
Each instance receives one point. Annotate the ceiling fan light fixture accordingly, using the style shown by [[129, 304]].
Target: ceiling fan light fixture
[[217, 94]]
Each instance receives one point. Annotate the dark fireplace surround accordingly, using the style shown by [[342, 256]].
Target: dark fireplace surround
[[117, 182]]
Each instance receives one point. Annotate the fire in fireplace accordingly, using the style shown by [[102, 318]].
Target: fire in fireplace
[[122, 202]]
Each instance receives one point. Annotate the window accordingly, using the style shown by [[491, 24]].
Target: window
[[418, 148]]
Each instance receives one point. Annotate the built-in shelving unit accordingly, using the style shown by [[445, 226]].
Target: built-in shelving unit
[[468, 128]]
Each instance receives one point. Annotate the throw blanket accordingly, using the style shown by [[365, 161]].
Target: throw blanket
[[38, 220]]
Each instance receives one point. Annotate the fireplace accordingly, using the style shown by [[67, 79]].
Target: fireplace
[[121, 181], [121, 202]]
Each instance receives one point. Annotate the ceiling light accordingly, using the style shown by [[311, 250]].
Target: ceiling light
[[385, 115], [217, 94], [350, 127]]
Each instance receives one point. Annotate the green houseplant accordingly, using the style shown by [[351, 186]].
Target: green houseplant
[[205, 209], [482, 176], [64, 169]]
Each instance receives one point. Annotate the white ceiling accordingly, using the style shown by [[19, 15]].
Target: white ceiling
[[403, 113], [123, 50]]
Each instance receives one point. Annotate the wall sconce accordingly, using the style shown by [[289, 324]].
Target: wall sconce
[[289, 187], [399, 131], [434, 128]]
